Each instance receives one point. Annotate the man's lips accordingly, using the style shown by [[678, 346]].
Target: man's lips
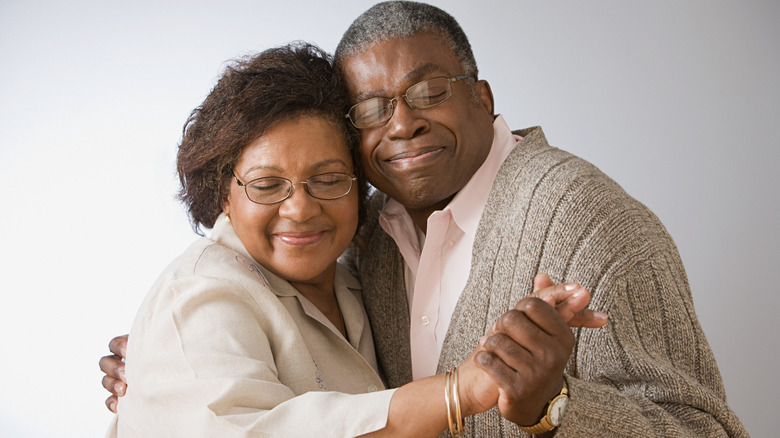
[[299, 238], [415, 158]]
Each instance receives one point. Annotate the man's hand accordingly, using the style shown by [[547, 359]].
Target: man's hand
[[114, 380], [528, 347]]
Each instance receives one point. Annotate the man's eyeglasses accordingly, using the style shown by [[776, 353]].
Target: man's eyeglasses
[[378, 110], [273, 189]]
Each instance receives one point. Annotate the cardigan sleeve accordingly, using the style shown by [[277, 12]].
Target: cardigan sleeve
[[205, 359], [650, 371]]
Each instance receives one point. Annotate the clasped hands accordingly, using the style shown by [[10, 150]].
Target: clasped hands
[[518, 365]]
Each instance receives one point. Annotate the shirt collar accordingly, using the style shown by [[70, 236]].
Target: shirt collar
[[467, 206], [346, 287]]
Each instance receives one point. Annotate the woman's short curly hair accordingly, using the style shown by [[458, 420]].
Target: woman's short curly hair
[[253, 95]]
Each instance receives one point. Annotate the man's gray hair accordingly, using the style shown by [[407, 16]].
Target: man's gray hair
[[399, 19]]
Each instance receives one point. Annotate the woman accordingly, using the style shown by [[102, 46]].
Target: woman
[[256, 330]]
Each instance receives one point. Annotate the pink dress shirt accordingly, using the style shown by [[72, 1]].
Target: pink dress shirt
[[437, 264]]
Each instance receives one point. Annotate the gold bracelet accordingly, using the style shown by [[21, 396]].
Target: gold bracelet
[[456, 397], [452, 399], [447, 378]]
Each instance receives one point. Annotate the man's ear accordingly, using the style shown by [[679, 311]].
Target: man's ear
[[485, 95]]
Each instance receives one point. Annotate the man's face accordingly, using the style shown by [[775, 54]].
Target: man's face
[[420, 157]]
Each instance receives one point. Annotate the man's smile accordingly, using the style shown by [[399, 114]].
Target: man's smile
[[415, 158]]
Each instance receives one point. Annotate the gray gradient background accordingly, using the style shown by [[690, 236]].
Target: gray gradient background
[[675, 100]]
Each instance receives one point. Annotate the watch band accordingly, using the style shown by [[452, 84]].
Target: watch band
[[545, 424]]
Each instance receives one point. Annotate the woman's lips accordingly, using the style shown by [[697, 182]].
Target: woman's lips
[[300, 239]]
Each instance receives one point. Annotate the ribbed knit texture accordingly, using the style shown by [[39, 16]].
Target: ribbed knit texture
[[649, 372]]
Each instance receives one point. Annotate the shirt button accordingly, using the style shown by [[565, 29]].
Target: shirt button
[[425, 320], [372, 388], [451, 243]]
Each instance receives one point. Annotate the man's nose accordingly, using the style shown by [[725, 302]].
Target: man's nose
[[406, 122]]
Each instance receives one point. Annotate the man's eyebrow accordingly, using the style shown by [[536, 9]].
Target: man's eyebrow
[[415, 75], [418, 73]]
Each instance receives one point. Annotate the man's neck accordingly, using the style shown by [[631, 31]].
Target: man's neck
[[420, 216]]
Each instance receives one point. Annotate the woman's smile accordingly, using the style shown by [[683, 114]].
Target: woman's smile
[[300, 238]]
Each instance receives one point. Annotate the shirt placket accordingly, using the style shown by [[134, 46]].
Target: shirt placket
[[426, 300]]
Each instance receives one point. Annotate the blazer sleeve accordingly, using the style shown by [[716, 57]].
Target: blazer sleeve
[[205, 359]]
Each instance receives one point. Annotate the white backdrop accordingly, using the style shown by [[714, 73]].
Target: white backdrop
[[676, 100]]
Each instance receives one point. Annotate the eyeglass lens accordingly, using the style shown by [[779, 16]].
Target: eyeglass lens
[[269, 190], [378, 110]]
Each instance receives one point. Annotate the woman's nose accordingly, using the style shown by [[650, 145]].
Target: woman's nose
[[300, 206]]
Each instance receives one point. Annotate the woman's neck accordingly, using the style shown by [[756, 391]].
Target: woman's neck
[[322, 294]]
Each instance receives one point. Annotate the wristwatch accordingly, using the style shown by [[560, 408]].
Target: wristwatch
[[554, 416]]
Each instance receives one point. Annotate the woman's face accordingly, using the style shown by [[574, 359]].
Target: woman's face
[[299, 238]]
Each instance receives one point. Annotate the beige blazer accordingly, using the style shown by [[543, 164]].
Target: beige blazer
[[221, 347]]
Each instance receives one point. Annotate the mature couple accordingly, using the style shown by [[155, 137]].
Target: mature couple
[[258, 331]]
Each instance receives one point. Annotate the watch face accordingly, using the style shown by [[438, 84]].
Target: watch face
[[557, 409]]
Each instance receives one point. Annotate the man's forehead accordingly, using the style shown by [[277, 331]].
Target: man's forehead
[[393, 65], [375, 82]]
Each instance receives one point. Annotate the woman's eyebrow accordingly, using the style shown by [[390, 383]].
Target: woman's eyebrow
[[315, 166]]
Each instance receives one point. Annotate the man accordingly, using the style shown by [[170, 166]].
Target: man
[[468, 211]]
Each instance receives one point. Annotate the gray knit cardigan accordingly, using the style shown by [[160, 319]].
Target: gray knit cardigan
[[648, 372]]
